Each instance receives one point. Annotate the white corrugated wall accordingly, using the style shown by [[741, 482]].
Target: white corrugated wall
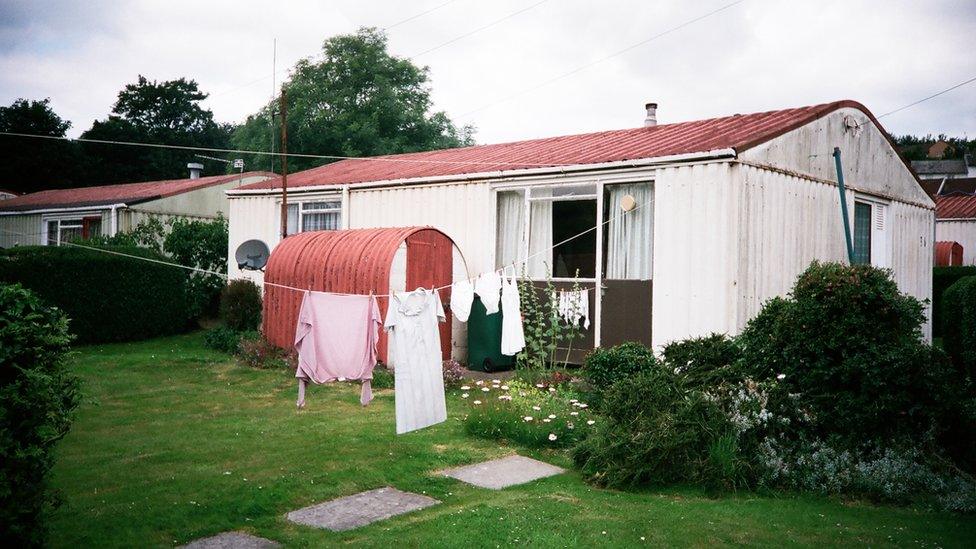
[[463, 211], [20, 230], [961, 231], [252, 217]]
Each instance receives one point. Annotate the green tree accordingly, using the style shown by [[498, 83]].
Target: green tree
[[358, 100], [166, 112], [200, 244], [30, 164]]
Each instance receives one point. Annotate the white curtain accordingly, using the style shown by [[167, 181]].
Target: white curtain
[[511, 228], [539, 262], [630, 235]]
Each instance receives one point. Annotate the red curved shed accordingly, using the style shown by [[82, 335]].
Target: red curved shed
[[948, 253], [356, 261]]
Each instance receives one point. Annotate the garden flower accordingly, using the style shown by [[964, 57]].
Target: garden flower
[[504, 387], [504, 397], [485, 389], [781, 377], [479, 382], [583, 405], [590, 422], [574, 413], [552, 436], [496, 381], [552, 389], [552, 416], [570, 426], [465, 395], [539, 385], [546, 420], [536, 408], [477, 402], [527, 418], [571, 401], [465, 388]]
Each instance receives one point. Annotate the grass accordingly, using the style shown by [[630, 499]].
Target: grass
[[175, 442]]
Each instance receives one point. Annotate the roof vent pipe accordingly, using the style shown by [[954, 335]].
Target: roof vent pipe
[[651, 119], [195, 170]]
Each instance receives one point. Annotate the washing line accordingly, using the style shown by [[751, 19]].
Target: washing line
[[514, 265]]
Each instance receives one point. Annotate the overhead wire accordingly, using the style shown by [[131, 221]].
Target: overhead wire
[[604, 58], [477, 30]]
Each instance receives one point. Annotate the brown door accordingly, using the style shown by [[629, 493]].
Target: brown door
[[430, 265]]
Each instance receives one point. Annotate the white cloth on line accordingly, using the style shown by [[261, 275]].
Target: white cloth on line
[[488, 286], [573, 306], [513, 336], [412, 319], [462, 294]]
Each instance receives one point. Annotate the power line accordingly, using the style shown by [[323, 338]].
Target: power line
[[278, 154], [933, 96], [421, 14], [602, 59], [477, 30]]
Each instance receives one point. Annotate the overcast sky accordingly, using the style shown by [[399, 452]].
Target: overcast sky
[[757, 55]]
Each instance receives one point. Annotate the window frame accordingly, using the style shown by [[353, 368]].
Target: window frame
[[302, 211], [879, 223], [83, 222]]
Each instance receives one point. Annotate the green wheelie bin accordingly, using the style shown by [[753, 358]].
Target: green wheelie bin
[[485, 340]]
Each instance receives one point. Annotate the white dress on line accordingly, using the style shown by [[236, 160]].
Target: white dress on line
[[513, 335], [412, 320]]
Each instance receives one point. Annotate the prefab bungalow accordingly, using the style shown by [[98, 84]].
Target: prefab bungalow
[[955, 221], [60, 215], [698, 222]]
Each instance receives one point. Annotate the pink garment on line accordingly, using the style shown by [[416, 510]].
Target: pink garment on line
[[336, 339]]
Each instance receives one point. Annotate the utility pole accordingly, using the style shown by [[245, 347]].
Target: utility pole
[[284, 164]]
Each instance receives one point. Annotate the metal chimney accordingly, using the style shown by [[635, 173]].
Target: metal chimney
[[195, 170], [651, 119]]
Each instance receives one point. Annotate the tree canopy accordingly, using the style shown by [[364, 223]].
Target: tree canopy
[[30, 164], [167, 112], [357, 100]]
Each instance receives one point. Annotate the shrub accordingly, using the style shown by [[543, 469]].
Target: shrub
[[959, 325], [942, 278], [603, 367], [453, 373], [222, 339], [257, 352], [656, 432], [200, 244], [37, 399], [240, 305], [518, 412], [108, 297], [848, 342], [704, 361], [382, 378]]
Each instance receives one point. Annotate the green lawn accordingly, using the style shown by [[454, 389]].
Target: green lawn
[[174, 442]]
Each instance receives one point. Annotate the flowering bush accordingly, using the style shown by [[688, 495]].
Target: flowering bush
[[257, 352], [534, 415], [453, 373]]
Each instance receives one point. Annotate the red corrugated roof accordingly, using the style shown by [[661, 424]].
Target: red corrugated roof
[[739, 132], [126, 193], [955, 207]]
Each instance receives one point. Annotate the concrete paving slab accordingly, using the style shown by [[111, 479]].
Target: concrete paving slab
[[232, 540], [360, 509], [504, 472]]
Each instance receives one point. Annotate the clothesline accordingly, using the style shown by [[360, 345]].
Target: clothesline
[[228, 278]]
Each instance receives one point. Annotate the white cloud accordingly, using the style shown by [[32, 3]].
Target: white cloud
[[759, 55]]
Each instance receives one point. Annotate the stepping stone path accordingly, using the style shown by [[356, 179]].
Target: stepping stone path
[[232, 540], [504, 472], [360, 509]]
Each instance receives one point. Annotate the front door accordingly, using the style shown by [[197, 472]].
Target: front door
[[628, 251]]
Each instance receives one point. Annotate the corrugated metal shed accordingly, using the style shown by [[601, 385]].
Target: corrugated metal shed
[[356, 261], [739, 132], [955, 207], [127, 193], [948, 254]]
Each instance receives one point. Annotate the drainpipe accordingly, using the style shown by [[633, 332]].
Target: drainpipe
[[345, 207], [114, 221], [843, 206]]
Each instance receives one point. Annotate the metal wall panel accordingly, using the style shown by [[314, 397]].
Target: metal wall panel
[[20, 230], [961, 231]]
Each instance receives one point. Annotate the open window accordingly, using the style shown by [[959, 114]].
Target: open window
[[870, 232]]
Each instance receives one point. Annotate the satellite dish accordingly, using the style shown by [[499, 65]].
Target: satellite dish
[[252, 255]]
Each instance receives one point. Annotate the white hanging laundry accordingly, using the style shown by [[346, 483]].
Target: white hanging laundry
[[488, 287], [462, 294], [513, 336], [574, 306], [412, 320]]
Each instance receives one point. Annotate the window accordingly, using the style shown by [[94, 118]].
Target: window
[[555, 214], [862, 233], [870, 233], [314, 216], [629, 231], [60, 231]]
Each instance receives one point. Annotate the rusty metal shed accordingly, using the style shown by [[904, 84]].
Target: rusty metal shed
[[358, 261]]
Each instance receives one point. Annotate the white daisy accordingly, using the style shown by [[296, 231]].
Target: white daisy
[[552, 436], [465, 395], [590, 422]]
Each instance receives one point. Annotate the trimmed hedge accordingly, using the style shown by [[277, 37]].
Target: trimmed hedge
[[959, 324], [942, 278], [107, 297]]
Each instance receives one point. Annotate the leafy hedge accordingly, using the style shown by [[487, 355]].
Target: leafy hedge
[[959, 324], [942, 278], [38, 397], [107, 297]]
